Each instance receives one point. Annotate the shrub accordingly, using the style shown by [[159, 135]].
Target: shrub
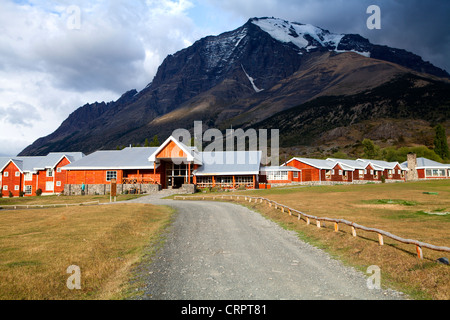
[[10, 194], [38, 192]]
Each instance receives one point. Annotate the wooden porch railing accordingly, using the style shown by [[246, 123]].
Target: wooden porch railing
[[354, 226], [139, 181]]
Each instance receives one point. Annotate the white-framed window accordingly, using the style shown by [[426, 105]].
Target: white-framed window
[[371, 171], [340, 172], [28, 176], [277, 175], [111, 175], [49, 173], [16, 188], [295, 174], [28, 189], [244, 179], [332, 172], [5, 187], [58, 169], [17, 174], [49, 186], [58, 183], [6, 174]]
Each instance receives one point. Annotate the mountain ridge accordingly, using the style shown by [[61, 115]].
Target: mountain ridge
[[251, 72]]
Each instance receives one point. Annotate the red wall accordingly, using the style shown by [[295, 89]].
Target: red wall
[[308, 173], [11, 180]]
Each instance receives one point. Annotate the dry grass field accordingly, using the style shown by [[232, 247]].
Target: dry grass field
[[105, 241], [409, 210]]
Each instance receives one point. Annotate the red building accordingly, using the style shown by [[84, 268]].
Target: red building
[[25, 175]]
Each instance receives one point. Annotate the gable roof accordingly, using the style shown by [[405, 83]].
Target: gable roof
[[4, 162], [221, 163], [191, 152], [128, 158], [35, 163], [382, 164], [316, 163], [264, 170], [423, 163]]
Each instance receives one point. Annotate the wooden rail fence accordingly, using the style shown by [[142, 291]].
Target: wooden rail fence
[[38, 206], [354, 226]]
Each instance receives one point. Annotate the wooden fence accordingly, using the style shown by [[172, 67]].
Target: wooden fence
[[38, 206], [354, 226]]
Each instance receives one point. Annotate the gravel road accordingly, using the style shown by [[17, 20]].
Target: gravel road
[[224, 251]]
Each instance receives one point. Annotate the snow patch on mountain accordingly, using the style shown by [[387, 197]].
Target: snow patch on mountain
[[252, 81], [305, 36]]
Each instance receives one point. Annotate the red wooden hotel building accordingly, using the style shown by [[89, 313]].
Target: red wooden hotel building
[[174, 164]]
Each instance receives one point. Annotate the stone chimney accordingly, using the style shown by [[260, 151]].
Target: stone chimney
[[412, 164]]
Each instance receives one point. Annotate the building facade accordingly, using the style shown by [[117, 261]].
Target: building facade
[[24, 176]]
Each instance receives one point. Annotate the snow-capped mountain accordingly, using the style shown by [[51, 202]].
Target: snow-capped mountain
[[240, 77]]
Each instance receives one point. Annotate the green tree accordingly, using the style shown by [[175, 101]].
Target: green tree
[[155, 142], [371, 150], [146, 143], [440, 142]]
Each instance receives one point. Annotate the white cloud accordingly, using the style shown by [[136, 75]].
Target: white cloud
[[48, 68]]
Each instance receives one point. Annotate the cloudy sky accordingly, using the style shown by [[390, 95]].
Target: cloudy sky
[[57, 55]]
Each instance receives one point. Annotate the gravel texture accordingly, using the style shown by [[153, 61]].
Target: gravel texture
[[224, 251]]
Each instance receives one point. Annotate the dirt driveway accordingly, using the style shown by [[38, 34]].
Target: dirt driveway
[[218, 251]]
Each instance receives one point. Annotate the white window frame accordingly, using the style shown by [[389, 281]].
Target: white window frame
[[278, 176], [28, 189], [6, 174], [111, 175], [5, 187], [16, 188], [49, 186], [17, 173], [28, 176], [295, 174], [58, 183], [58, 169], [49, 173]]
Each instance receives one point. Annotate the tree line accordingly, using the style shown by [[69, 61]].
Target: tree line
[[439, 153]]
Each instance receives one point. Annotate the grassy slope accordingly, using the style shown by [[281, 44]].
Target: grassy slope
[[37, 247]]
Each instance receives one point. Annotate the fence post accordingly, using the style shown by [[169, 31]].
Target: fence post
[[353, 231], [380, 239], [318, 223], [419, 252], [307, 221], [336, 227]]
